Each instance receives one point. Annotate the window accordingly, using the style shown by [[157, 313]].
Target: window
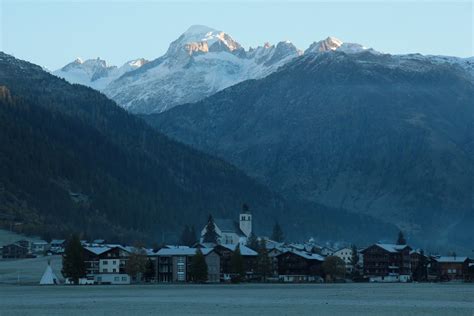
[[124, 278], [104, 270], [105, 262], [114, 270], [114, 262], [116, 279]]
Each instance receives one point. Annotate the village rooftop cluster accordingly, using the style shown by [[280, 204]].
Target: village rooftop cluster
[[228, 251]]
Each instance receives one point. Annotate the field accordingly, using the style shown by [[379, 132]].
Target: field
[[28, 271], [245, 299]]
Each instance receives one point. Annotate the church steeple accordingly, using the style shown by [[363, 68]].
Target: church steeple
[[245, 220]]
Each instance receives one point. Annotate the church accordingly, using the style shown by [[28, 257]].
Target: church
[[232, 232]]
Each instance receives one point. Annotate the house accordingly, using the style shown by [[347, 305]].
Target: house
[[451, 267], [173, 264], [225, 252], [15, 251], [39, 246], [232, 232], [106, 259], [299, 266], [346, 254], [387, 263], [57, 245]]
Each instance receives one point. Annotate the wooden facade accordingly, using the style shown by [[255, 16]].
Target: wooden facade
[[387, 259], [14, 251], [296, 263]]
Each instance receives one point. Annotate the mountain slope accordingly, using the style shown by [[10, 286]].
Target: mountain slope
[[389, 136], [71, 159]]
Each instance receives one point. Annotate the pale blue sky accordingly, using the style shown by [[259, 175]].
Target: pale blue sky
[[52, 33]]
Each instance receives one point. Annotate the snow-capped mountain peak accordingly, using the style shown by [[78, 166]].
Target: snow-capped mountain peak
[[335, 44], [202, 39], [95, 73], [328, 44], [199, 63]]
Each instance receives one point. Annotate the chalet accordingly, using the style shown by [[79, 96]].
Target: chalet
[[387, 263], [39, 246], [451, 267], [172, 264], [15, 251], [106, 263], [232, 232], [225, 252], [299, 266]]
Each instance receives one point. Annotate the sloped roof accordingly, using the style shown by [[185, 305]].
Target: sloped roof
[[97, 250], [58, 241], [182, 251], [305, 255], [244, 250], [228, 226], [449, 259], [393, 248]]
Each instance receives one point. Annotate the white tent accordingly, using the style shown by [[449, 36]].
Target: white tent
[[49, 277]]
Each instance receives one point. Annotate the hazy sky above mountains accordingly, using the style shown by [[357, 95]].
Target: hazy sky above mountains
[[53, 33]]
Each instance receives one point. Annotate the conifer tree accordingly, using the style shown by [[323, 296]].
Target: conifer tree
[[264, 263], [401, 239], [192, 236], [198, 271], [210, 236], [252, 242], [188, 236], [237, 265], [183, 240], [277, 234], [73, 260]]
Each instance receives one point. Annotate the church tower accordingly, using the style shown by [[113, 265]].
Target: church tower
[[245, 222]]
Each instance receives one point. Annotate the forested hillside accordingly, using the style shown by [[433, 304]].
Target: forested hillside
[[72, 160]]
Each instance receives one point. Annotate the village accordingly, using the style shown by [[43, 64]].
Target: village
[[228, 251]]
